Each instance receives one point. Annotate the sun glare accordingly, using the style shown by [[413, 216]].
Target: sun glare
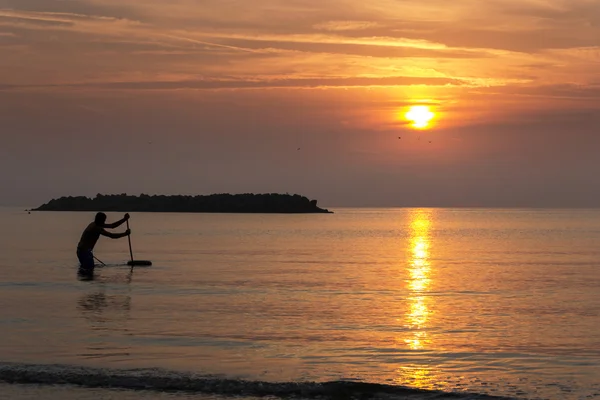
[[419, 116]]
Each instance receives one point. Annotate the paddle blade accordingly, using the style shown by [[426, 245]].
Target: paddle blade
[[137, 263]]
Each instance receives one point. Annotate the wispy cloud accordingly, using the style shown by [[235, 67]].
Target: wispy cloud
[[265, 82], [346, 25], [510, 45]]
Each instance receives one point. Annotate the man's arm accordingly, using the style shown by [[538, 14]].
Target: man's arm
[[114, 235], [118, 223]]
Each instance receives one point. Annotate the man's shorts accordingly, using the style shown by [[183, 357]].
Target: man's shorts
[[86, 260]]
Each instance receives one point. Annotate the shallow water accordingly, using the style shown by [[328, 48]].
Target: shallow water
[[68, 392], [502, 302]]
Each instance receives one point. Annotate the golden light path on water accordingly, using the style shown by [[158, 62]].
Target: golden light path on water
[[419, 270], [418, 308]]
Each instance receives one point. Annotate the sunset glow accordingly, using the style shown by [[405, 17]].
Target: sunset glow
[[201, 86]]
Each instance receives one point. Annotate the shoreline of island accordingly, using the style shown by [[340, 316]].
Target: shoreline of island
[[250, 203]]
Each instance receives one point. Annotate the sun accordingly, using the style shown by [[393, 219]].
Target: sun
[[419, 116]]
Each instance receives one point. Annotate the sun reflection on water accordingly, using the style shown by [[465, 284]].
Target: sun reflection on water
[[419, 270], [418, 313]]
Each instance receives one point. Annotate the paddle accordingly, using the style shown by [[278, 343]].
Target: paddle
[[100, 261], [129, 240], [136, 262]]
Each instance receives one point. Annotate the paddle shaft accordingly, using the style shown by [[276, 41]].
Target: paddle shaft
[[100, 261], [129, 240]]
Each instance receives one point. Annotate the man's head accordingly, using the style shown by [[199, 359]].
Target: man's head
[[100, 218]]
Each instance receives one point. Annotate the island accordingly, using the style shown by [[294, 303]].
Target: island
[[214, 203]]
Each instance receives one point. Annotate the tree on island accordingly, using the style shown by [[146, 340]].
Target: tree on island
[[214, 203]]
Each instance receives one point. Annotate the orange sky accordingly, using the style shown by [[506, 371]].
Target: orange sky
[[206, 96]]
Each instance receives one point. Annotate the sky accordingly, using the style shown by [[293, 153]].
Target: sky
[[302, 96]]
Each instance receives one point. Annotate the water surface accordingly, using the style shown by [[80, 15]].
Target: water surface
[[502, 302]]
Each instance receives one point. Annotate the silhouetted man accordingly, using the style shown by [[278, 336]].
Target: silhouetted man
[[90, 236]]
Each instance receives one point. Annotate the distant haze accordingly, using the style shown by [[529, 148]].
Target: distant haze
[[302, 96]]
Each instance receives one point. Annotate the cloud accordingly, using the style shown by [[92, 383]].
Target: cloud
[[78, 7], [110, 27], [251, 84], [59, 19], [346, 25], [382, 49], [584, 93], [453, 51]]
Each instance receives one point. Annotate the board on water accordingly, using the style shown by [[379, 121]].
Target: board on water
[[139, 263]]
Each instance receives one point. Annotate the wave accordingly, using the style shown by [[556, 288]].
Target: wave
[[168, 381]]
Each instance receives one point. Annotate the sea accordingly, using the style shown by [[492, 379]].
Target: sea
[[380, 303]]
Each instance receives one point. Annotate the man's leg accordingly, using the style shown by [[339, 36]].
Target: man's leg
[[86, 260]]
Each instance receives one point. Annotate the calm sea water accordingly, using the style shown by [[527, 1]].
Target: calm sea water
[[499, 302]]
